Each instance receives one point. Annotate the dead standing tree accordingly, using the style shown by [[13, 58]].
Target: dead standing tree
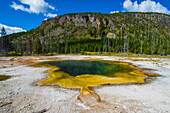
[[4, 42], [3, 32]]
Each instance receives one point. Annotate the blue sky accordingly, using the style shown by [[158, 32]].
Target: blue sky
[[18, 15]]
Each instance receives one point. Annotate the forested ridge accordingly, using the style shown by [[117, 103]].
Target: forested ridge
[[139, 33]]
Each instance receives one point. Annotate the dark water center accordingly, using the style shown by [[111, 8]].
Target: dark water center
[[75, 68]]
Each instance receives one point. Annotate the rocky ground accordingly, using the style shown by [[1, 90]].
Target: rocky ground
[[20, 94]]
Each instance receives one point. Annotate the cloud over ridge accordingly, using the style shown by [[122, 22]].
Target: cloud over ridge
[[10, 30], [145, 6], [50, 15]]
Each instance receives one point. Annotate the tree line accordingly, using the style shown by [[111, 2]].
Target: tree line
[[139, 39], [150, 44]]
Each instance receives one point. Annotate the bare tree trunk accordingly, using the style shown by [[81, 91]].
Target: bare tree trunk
[[124, 44], [160, 46], [151, 45], [104, 44], [127, 46], [58, 44], [108, 45], [116, 46], [33, 45], [66, 46], [51, 45], [141, 42], [20, 47], [148, 30], [121, 39], [29, 46]]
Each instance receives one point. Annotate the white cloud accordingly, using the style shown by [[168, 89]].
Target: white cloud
[[10, 30], [34, 6], [145, 6], [50, 15], [114, 12], [46, 19]]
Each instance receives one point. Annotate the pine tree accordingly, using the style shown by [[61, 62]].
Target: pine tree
[[43, 46], [3, 32], [4, 42], [37, 46]]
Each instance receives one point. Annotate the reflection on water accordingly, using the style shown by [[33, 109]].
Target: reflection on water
[[75, 68], [2, 77]]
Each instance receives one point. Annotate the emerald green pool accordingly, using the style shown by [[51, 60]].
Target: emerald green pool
[[75, 68]]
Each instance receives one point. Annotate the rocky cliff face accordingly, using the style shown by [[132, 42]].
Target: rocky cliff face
[[161, 19], [94, 24], [95, 19], [97, 25]]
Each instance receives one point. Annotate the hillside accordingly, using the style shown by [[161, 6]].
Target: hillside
[[140, 33]]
